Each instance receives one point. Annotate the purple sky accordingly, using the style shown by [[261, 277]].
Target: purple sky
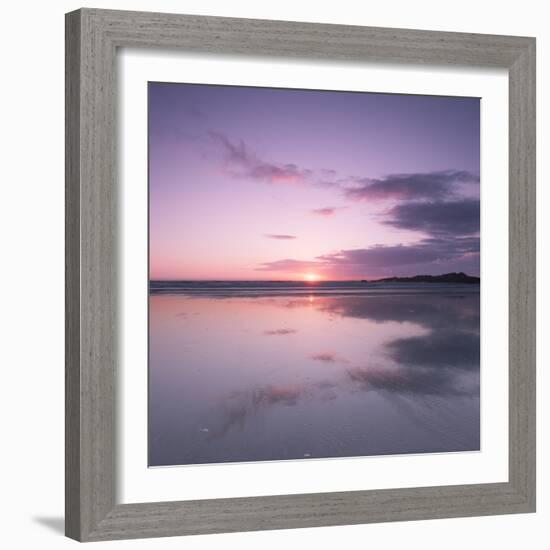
[[259, 183]]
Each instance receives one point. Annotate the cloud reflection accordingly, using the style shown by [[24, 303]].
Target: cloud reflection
[[280, 332], [407, 380], [239, 406], [443, 363], [328, 357], [441, 348]]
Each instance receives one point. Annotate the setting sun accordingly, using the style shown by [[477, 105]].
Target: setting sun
[[311, 277]]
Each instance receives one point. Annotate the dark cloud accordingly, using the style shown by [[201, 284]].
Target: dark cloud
[[280, 237], [429, 203], [431, 185], [451, 243], [363, 260], [427, 256], [459, 217], [241, 163], [380, 258]]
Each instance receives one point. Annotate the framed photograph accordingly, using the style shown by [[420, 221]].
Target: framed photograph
[[300, 275]]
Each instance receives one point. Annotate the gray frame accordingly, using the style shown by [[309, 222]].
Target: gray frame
[[92, 38]]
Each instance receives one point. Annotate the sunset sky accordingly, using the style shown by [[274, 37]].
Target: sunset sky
[[272, 184]]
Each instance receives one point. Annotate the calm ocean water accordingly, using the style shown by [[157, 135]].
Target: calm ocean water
[[249, 371]]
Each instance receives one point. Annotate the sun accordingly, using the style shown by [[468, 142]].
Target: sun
[[311, 277]]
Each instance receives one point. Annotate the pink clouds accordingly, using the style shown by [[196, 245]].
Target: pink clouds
[[327, 211], [288, 265], [426, 255], [231, 167], [240, 162], [448, 234], [280, 237]]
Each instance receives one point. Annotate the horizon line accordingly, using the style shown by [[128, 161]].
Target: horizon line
[[351, 280]]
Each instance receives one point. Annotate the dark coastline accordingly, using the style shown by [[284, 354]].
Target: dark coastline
[[456, 278]]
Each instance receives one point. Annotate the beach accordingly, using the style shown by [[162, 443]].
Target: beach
[[256, 371]]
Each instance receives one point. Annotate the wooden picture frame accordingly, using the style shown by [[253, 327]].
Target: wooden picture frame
[[92, 39]]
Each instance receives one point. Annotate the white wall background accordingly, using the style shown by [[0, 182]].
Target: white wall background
[[31, 285]]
